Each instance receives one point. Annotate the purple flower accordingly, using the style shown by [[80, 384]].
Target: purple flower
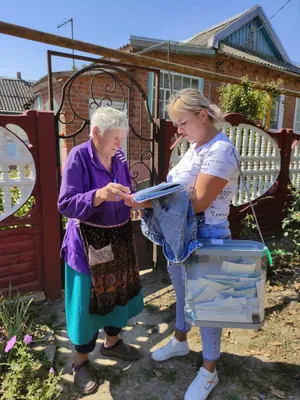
[[27, 339], [10, 344], [51, 370]]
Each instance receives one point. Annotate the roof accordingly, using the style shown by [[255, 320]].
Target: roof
[[55, 75], [253, 57], [213, 36], [202, 38], [140, 43], [58, 75], [15, 95]]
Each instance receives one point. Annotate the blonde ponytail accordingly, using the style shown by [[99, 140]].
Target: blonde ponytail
[[192, 100]]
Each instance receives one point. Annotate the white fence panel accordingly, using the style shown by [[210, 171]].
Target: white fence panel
[[295, 166], [17, 171], [259, 157]]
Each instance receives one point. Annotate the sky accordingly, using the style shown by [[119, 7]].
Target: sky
[[110, 24]]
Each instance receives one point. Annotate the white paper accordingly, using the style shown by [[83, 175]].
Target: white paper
[[253, 278], [200, 269], [228, 296], [208, 294], [223, 277], [238, 285], [206, 282], [252, 292], [192, 288], [196, 287], [229, 310], [229, 267], [227, 292]]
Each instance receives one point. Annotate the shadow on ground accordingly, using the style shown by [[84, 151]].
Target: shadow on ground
[[255, 365]]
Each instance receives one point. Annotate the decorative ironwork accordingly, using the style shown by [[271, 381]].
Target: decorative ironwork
[[110, 84], [146, 155], [100, 70]]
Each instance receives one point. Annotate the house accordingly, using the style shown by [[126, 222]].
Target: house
[[244, 45], [16, 95]]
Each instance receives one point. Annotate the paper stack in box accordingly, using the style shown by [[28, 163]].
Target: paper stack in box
[[234, 294]]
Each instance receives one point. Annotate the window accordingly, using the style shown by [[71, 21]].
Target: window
[[276, 112], [37, 105], [11, 145], [115, 104], [176, 82], [55, 106], [297, 116]]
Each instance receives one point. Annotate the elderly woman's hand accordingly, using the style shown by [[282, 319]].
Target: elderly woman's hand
[[111, 192], [131, 203]]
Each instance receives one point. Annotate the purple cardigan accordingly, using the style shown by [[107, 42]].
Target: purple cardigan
[[83, 175]]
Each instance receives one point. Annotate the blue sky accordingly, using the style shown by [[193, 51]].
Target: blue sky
[[110, 24]]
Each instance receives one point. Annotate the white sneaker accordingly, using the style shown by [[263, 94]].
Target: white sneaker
[[173, 348], [202, 385]]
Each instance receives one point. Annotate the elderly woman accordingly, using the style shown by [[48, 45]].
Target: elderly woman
[[102, 282], [209, 171]]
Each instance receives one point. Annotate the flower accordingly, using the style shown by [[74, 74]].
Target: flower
[[27, 339], [10, 344], [51, 370]]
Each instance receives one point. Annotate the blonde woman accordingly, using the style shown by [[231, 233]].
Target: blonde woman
[[209, 172]]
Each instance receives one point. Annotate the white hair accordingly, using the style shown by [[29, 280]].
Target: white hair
[[105, 118]]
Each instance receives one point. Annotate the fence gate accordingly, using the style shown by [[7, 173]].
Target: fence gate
[[75, 96], [29, 235]]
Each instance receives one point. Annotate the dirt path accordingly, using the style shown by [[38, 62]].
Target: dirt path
[[255, 365]]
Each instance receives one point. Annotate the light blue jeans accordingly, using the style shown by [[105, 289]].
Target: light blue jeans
[[211, 337]]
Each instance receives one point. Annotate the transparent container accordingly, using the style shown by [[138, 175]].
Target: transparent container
[[225, 284]]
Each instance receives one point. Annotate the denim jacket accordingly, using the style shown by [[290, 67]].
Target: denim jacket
[[172, 224]]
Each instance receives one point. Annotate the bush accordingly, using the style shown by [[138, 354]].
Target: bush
[[243, 99], [246, 100], [286, 250]]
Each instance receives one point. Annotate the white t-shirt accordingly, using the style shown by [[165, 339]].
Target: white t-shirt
[[213, 158]]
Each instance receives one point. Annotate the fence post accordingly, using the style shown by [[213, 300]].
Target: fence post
[[159, 261], [49, 196], [283, 178]]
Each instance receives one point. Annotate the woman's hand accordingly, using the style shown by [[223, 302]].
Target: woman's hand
[[111, 192], [131, 203]]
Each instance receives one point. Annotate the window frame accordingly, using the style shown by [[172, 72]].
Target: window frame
[[280, 114], [297, 105], [151, 88]]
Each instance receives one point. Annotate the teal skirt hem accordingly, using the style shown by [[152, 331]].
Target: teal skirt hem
[[82, 325]]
